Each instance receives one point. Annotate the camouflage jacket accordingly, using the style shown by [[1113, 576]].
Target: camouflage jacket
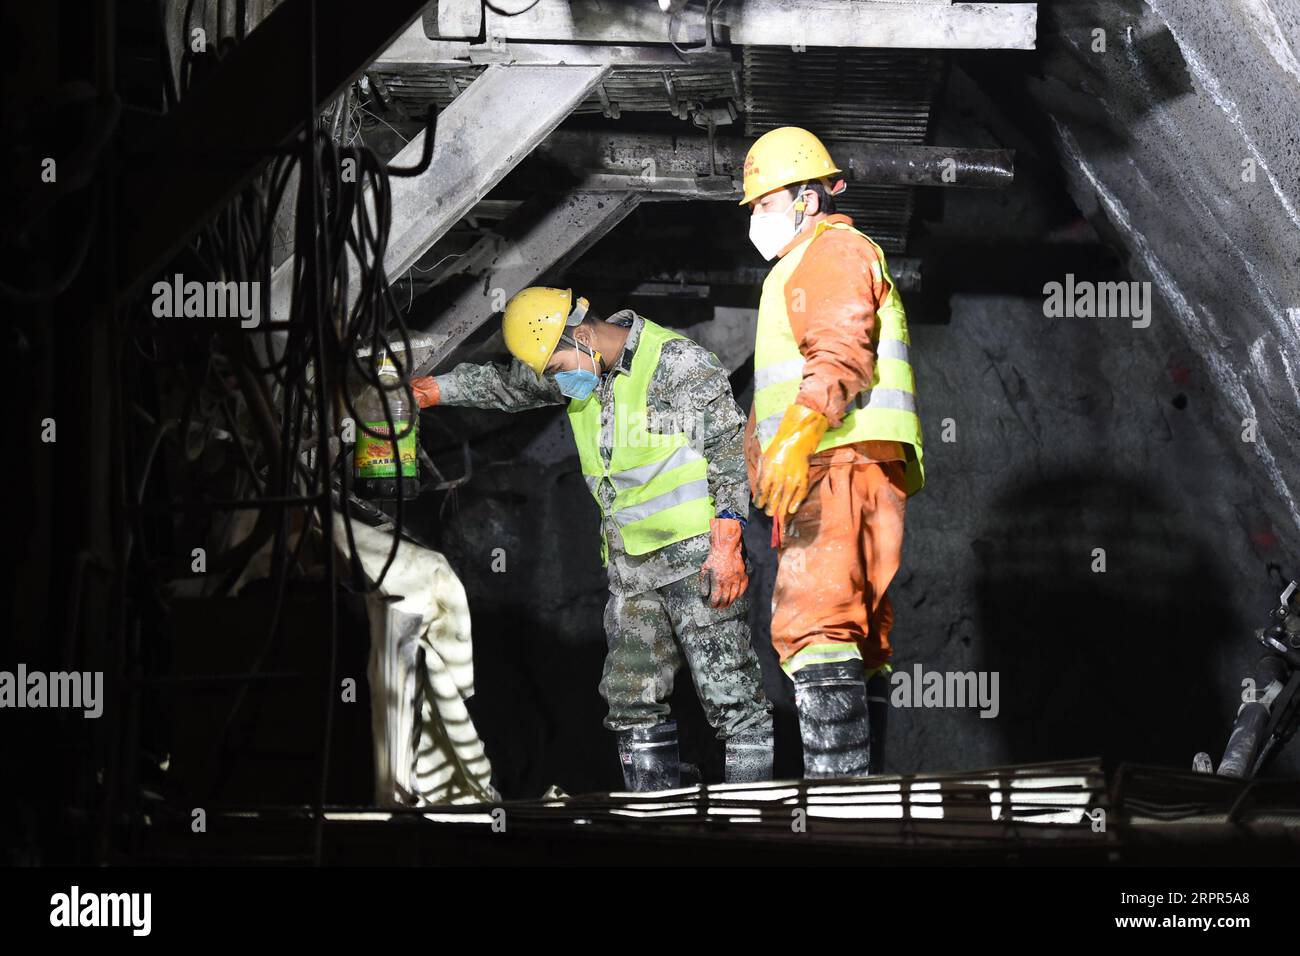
[[689, 385]]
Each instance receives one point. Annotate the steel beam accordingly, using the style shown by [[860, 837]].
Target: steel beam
[[500, 265], [886, 24], [669, 188], [658, 163], [906, 271], [414, 49], [480, 137], [456, 17], [224, 131], [880, 24]]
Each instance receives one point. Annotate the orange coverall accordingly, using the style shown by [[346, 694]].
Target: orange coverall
[[840, 550]]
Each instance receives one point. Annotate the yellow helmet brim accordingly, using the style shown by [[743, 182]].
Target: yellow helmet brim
[[534, 321], [785, 157]]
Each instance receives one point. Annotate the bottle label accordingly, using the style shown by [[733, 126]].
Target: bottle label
[[373, 457]]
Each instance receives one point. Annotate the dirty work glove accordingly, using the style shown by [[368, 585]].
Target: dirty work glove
[[722, 576], [426, 391], [783, 470]]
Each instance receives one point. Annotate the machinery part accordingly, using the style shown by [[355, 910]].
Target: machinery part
[[650, 757], [1252, 717], [1270, 710], [545, 238], [749, 755], [690, 157], [469, 157], [863, 23], [833, 720]]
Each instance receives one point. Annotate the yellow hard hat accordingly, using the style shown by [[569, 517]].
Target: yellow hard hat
[[785, 157], [534, 321]]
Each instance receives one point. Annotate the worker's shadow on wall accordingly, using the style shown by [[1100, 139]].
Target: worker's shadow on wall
[[1123, 662]]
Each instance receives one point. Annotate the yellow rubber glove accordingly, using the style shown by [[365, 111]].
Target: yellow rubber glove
[[783, 470]]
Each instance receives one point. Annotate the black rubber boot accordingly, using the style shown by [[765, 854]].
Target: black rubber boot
[[650, 757], [878, 712], [833, 719], [749, 754]]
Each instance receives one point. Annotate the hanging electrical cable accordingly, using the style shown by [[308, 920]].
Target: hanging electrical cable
[[276, 371]]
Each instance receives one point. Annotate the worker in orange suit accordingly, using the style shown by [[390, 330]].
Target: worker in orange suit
[[833, 446]]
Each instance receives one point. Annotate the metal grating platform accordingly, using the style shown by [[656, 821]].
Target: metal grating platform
[[1066, 811]]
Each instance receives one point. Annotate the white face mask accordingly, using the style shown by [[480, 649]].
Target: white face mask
[[770, 232]]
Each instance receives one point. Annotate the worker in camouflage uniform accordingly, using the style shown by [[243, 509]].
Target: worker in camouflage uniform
[[660, 440]]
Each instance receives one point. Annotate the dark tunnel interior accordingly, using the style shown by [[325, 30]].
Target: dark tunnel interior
[[1110, 509]]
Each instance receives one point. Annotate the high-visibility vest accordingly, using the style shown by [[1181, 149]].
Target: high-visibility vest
[[885, 411], [660, 482]]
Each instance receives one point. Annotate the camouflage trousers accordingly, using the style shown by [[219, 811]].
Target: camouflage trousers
[[650, 636]]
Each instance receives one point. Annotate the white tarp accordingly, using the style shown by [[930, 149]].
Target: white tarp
[[421, 672]]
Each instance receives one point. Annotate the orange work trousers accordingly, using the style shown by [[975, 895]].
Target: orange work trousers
[[837, 555]]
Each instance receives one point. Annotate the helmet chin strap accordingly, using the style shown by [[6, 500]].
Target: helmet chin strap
[[596, 360], [596, 356], [799, 205], [580, 310]]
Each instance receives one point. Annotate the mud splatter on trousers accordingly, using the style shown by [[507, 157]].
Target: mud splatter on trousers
[[838, 554], [652, 634]]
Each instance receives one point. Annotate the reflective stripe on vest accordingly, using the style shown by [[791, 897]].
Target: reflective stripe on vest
[[885, 411], [661, 488]]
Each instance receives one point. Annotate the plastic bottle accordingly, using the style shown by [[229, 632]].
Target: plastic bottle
[[374, 467]]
